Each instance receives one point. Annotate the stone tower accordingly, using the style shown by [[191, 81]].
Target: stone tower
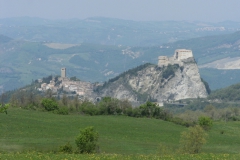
[[63, 72]]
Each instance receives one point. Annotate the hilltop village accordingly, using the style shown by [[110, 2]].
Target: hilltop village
[[67, 85]]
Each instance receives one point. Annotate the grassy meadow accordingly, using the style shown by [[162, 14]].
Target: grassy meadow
[[53, 156], [34, 132]]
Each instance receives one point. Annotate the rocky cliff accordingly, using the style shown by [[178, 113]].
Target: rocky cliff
[[159, 83]]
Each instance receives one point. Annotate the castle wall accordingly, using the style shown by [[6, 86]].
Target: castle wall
[[163, 61], [179, 55]]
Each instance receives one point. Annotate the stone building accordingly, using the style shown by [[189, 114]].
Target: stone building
[[178, 57], [63, 72]]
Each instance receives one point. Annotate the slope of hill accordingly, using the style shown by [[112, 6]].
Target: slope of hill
[[231, 93], [4, 39], [23, 130], [211, 48], [34, 130], [217, 78]]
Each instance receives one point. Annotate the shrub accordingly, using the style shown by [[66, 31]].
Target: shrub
[[109, 105], [88, 107], [164, 150], [192, 140], [49, 104], [86, 141], [63, 111], [67, 148], [182, 122], [4, 108], [205, 122]]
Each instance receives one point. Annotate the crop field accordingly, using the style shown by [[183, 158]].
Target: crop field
[[34, 133], [59, 45]]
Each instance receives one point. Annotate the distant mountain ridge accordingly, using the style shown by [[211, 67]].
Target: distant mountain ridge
[[110, 31]]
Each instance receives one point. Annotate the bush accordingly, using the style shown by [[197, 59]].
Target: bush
[[49, 104], [89, 108], [67, 148], [63, 111], [164, 150], [109, 105], [182, 122], [192, 140], [86, 141], [205, 122], [4, 108]]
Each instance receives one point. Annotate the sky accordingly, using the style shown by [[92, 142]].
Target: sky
[[138, 10]]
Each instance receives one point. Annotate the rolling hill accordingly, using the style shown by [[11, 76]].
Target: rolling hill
[[24, 130]]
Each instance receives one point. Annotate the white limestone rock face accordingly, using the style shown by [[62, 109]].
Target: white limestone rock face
[[185, 84], [149, 82]]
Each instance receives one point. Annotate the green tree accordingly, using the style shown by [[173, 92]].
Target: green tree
[[76, 102], [3, 109], [109, 105], [49, 104], [192, 140], [88, 107], [49, 93], [150, 109], [65, 100], [86, 141], [74, 78], [14, 100], [205, 122]]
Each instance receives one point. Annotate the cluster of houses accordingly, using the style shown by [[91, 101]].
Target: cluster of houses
[[63, 83]]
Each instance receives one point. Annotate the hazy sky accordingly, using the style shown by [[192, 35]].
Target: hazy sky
[[139, 10]]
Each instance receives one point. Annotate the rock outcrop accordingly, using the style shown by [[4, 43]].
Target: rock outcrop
[[159, 83]]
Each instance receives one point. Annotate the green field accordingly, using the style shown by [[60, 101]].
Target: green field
[[28, 131], [53, 156]]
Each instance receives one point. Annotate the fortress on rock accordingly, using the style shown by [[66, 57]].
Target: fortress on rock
[[178, 57]]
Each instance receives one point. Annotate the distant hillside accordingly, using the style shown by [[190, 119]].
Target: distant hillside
[[211, 48], [217, 78], [231, 93], [4, 39], [110, 31]]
